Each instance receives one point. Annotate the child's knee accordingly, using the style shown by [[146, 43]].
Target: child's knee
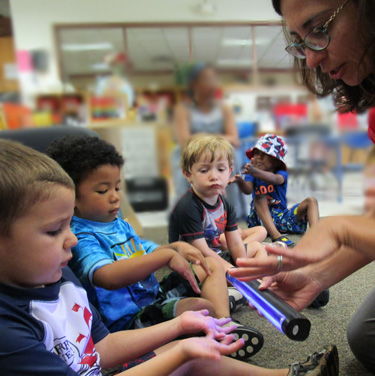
[[198, 304], [261, 232], [256, 249], [311, 201], [214, 265]]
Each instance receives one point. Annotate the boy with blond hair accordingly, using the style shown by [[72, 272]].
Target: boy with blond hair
[[48, 326], [203, 217]]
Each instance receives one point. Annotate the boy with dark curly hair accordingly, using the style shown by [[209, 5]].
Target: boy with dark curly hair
[[116, 267]]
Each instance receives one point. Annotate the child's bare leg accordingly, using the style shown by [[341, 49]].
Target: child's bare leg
[[223, 241], [214, 287], [255, 249], [308, 208], [263, 212], [254, 234], [194, 304], [227, 366]]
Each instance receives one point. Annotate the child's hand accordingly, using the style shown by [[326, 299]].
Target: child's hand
[[235, 179], [249, 168], [182, 267], [193, 255], [208, 348], [193, 322]]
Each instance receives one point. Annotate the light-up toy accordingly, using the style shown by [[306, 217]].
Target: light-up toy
[[279, 313]]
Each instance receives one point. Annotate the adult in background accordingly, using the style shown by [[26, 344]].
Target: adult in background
[[203, 114]]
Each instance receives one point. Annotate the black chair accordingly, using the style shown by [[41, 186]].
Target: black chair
[[40, 138]]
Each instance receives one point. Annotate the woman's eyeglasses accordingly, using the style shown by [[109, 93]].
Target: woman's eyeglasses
[[317, 40]]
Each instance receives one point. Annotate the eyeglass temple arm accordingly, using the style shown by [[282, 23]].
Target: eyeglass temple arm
[[335, 13]]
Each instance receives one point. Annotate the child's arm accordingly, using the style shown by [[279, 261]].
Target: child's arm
[[118, 348], [179, 353], [245, 186], [202, 245], [191, 254], [267, 176], [126, 272], [235, 244]]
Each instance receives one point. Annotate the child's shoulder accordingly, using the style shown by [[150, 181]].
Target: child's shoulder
[[187, 201], [283, 173], [15, 301], [79, 225]]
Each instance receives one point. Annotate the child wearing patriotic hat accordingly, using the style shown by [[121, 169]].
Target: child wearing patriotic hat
[[266, 178]]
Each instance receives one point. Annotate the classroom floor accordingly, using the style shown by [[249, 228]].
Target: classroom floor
[[328, 323]]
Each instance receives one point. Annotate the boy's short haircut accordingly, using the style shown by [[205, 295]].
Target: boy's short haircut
[[26, 178], [210, 146], [80, 155]]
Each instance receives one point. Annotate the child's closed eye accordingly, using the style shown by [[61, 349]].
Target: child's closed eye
[[102, 192], [54, 232]]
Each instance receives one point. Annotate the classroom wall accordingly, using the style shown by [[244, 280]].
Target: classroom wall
[[33, 23]]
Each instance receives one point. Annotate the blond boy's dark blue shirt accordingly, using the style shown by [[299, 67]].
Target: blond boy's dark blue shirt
[[100, 244], [50, 330]]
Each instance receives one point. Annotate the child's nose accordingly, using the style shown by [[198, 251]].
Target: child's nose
[[70, 241], [213, 174], [115, 196]]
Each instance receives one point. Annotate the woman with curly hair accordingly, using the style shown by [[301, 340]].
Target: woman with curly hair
[[333, 42]]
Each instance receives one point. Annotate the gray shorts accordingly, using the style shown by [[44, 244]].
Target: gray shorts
[[361, 332]]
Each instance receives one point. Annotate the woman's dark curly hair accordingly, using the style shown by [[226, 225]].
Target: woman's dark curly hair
[[79, 156], [348, 98]]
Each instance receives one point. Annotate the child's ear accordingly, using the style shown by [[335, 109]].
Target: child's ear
[[187, 175], [231, 170], [76, 203]]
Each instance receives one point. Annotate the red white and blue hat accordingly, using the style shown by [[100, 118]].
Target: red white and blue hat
[[272, 145]]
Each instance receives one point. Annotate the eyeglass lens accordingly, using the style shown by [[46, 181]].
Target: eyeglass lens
[[317, 39]]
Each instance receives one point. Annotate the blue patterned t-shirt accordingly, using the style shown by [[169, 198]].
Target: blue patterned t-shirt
[[101, 244]]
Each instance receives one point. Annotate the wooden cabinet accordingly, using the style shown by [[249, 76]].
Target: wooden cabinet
[[7, 63]]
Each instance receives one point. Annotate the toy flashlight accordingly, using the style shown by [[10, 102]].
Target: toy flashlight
[[279, 313]]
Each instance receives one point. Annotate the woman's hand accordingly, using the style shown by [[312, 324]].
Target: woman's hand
[[208, 348], [298, 288], [319, 243], [193, 255], [261, 265], [199, 321]]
